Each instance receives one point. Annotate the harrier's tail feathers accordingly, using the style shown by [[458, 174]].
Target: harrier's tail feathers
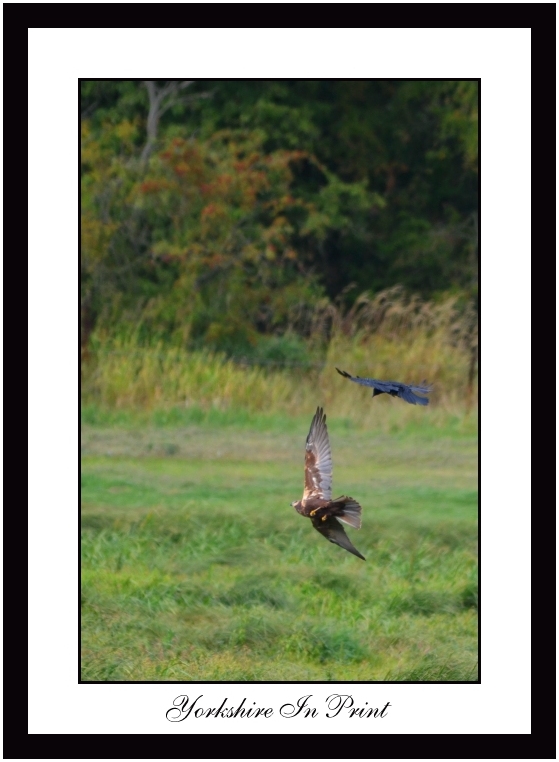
[[351, 512]]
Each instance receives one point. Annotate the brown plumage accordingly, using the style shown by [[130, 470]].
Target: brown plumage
[[317, 503]]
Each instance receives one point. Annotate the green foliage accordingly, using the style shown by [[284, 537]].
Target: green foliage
[[207, 240], [288, 349], [268, 197], [194, 567]]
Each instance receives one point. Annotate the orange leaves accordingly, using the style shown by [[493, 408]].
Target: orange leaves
[[167, 252], [216, 260], [180, 169], [185, 160], [227, 176], [213, 210], [153, 186], [222, 184], [286, 203], [216, 222]]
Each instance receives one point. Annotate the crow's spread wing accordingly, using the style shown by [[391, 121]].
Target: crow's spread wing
[[423, 389], [407, 393], [364, 381], [334, 531], [318, 459]]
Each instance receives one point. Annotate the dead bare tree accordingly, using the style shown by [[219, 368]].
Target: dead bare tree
[[161, 99]]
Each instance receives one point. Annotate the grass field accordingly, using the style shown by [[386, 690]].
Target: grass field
[[195, 567]]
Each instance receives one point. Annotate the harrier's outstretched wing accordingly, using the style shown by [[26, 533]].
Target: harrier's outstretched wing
[[334, 532], [394, 388], [318, 459]]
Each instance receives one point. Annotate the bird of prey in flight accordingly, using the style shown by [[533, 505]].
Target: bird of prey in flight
[[317, 503], [394, 388]]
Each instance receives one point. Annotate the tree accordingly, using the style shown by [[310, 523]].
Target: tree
[[224, 219], [161, 99]]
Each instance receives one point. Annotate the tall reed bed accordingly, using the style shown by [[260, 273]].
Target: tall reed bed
[[387, 337]]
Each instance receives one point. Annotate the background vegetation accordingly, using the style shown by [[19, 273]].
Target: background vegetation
[[217, 214], [239, 240]]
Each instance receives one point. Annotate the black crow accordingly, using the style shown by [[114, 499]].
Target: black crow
[[394, 388]]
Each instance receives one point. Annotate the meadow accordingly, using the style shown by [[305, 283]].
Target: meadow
[[196, 568]]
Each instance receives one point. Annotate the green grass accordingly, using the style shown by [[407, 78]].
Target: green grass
[[195, 567]]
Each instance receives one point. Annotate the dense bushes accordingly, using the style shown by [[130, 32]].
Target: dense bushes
[[253, 207]]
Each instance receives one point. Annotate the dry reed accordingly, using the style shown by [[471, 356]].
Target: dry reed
[[389, 337]]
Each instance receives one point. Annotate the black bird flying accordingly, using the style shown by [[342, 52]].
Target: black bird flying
[[394, 388]]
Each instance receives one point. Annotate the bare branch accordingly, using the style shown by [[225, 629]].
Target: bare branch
[[185, 83], [160, 101]]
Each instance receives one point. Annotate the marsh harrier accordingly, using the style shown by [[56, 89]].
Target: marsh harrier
[[394, 388], [317, 503]]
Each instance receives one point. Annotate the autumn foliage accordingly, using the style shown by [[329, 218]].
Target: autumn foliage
[[209, 244], [265, 210]]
